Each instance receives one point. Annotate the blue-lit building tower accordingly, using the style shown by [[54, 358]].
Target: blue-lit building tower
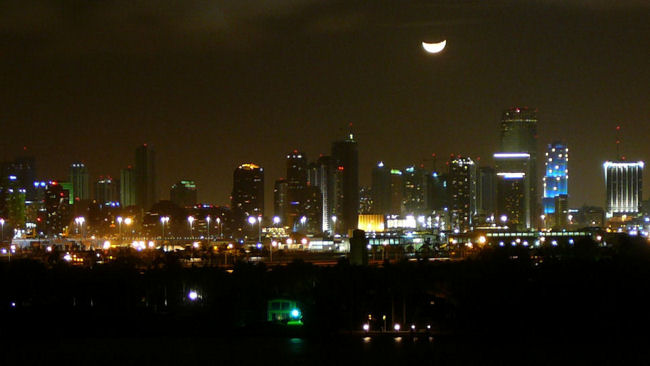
[[556, 176]]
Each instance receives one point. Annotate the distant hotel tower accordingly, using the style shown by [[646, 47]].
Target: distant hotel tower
[[623, 183], [345, 158], [248, 191], [145, 177], [556, 175]]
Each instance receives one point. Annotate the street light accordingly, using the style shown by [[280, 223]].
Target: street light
[[163, 220], [190, 219], [303, 221], [219, 225], [252, 220], [207, 219], [119, 224], [334, 225], [2, 222], [80, 222]]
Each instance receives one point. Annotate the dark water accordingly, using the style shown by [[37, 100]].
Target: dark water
[[311, 351]]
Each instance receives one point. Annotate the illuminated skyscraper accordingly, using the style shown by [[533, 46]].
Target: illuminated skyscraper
[[345, 158], [322, 175], [514, 204], [57, 208], [623, 183], [556, 175], [248, 191], [415, 190], [79, 180], [462, 191], [146, 193], [296, 185], [519, 135]]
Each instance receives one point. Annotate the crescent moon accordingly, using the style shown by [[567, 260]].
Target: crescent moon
[[434, 47]]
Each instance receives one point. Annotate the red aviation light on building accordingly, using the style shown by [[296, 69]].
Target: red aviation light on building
[[341, 168]]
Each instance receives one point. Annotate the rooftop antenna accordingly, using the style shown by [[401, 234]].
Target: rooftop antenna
[[618, 143], [433, 157]]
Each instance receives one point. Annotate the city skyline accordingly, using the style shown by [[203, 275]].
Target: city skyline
[[441, 163], [211, 99]]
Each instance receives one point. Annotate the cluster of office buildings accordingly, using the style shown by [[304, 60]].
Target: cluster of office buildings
[[323, 196]]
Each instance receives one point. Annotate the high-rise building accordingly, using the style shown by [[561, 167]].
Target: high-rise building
[[415, 190], [247, 193], [312, 209], [462, 191], [127, 187], [396, 192], [486, 191], [623, 187], [322, 176], [556, 175], [345, 158], [381, 189], [183, 193], [12, 201], [106, 191], [146, 193], [24, 169], [297, 183], [280, 199], [519, 135], [365, 200], [561, 211], [79, 180], [57, 209], [513, 172], [437, 191]]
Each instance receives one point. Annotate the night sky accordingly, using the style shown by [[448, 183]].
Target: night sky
[[212, 84]]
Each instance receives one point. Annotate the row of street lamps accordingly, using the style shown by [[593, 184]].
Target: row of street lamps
[[190, 220]]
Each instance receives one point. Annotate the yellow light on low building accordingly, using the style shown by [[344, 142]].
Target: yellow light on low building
[[373, 223]]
